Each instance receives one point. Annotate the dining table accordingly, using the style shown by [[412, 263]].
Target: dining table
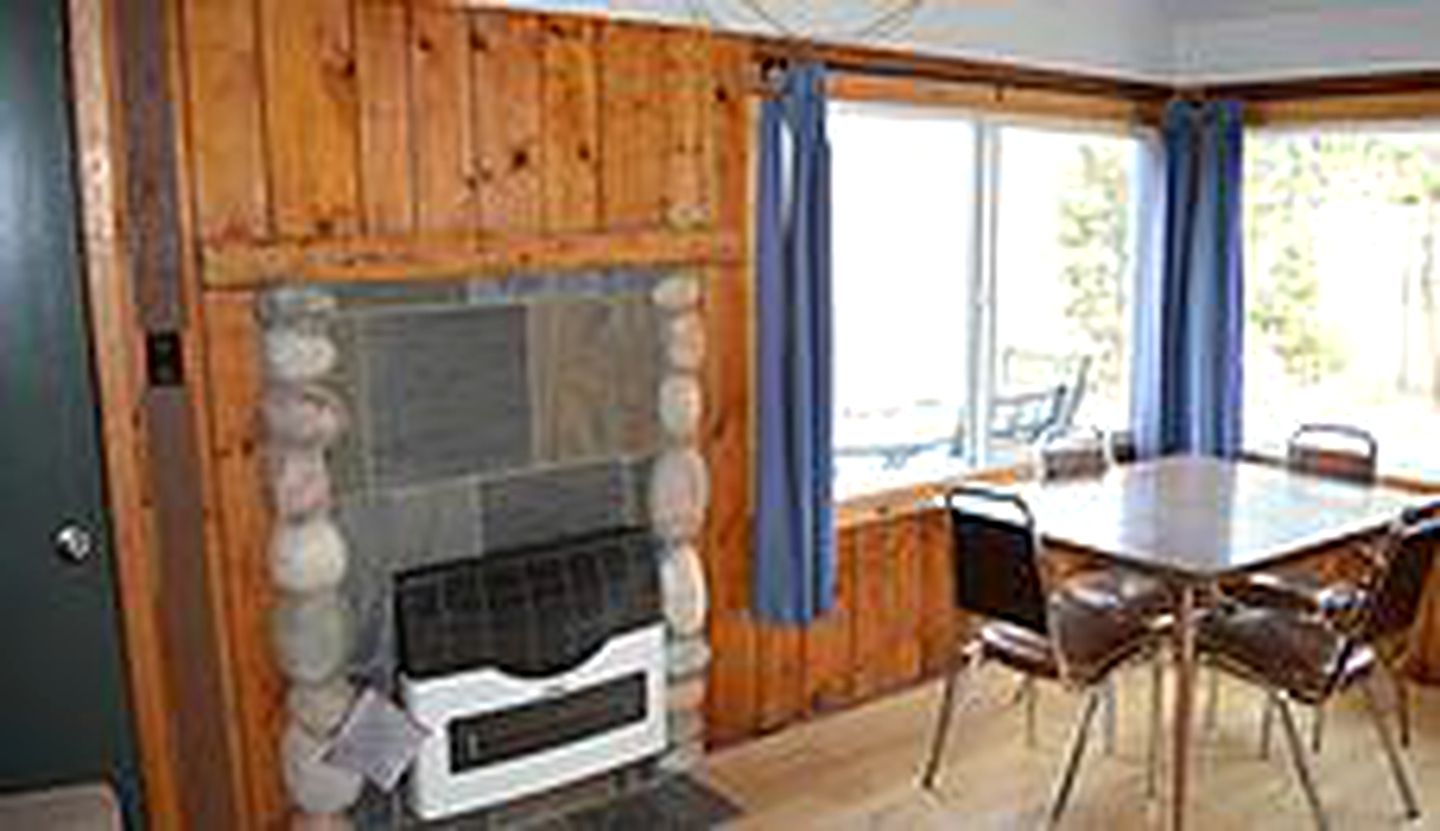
[[1194, 521]]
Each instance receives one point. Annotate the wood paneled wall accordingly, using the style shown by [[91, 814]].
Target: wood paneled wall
[[319, 123], [333, 118], [314, 124]]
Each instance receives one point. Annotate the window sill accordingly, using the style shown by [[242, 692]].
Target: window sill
[[908, 500], [1413, 482]]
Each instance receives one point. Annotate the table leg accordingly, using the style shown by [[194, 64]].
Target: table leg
[[1184, 703]]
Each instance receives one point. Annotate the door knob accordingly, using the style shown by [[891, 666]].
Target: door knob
[[74, 543]]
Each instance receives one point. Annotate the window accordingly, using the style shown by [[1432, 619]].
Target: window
[[936, 211], [1065, 272], [902, 203], [1342, 235]]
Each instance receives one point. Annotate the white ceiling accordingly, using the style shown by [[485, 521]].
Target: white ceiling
[[1183, 41]]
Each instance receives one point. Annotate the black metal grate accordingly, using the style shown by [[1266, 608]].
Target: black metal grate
[[532, 612], [492, 738]]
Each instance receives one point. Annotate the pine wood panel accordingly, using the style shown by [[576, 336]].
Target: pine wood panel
[[570, 136], [446, 184], [506, 66], [428, 257], [226, 135], [633, 165], [830, 641], [382, 34], [232, 379], [310, 116], [690, 146], [731, 704]]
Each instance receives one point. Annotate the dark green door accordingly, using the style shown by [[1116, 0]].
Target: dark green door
[[64, 717]]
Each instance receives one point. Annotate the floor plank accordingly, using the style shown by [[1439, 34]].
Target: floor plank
[[857, 769]]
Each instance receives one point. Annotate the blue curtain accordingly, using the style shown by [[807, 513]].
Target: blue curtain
[[794, 547], [1191, 310]]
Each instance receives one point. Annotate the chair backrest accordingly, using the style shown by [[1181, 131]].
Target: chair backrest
[[1397, 586], [1339, 451], [1073, 454], [995, 549]]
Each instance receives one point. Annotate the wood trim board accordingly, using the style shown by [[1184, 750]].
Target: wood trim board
[[418, 258]]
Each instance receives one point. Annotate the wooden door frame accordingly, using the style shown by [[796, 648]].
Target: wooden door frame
[[155, 567]]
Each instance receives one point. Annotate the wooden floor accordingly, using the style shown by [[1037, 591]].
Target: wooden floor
[[857, 769]]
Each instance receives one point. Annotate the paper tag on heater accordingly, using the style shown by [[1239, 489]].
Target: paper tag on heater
[[378, 741]]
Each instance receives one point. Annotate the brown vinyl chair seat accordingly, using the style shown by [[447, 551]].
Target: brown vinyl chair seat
[[1299, 591], [1122, 592], [1287, 649], [1094, 640]]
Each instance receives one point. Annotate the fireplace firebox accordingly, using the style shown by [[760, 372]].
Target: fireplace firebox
[[532, 667]]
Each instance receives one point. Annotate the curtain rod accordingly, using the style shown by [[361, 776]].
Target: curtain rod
[[867, 60]]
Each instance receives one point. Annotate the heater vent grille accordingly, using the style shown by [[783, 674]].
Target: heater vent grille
[[491, 738], [532, 612]]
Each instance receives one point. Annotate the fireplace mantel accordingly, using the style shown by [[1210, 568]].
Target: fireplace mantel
[[432, 257]]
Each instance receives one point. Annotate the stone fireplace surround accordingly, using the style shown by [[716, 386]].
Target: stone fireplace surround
[[411, 424]]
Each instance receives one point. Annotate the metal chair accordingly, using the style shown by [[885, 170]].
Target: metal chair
[[1309, 659], [1035, 625], [1336, 451], [1083, 453]]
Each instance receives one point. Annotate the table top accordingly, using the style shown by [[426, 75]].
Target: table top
[[1201, 518]]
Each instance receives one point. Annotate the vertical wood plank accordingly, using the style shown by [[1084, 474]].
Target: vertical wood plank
[[731, 701], [829, 642], [939, 625], [224, 124], [506, 64], [781, 694], [902, 653], [311, 116], [445, 180], [570, 138], [242, 578], [871, 615], [634, 116], [690, 145], [382, 37]]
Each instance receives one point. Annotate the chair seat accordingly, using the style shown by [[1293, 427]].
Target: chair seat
[[1303, 592], [1021, 649], [1284, 648], [1094, 640], [1117, 590]]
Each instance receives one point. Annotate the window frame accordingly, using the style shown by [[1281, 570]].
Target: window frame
[[1397, 114], [1109, 117]]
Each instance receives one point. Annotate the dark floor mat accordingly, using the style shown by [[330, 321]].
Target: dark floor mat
[[675, 803]]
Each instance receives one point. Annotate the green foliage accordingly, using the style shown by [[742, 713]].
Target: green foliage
[[1095, 220], [1287, 182]]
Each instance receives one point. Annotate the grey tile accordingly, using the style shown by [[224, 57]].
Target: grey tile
[[637, 361], [391, 532], [595, 371], [446, 393], [548, 505], [572, 348], [637, 490], [382, 296], [347, 457]]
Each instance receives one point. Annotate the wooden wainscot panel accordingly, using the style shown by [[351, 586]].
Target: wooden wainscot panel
[[733, 697], [382, 37], [456, 256], [237, 482], [310, 116], [570, 141], [446, 182], [505, 62], [224, 118]]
